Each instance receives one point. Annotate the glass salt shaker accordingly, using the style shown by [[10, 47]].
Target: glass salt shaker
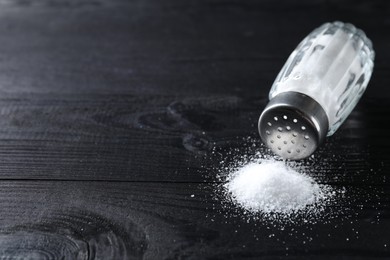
[[316, 90]]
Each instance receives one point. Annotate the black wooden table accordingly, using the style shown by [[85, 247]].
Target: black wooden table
[[115, 116]]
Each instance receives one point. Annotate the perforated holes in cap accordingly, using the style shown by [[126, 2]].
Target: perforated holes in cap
[[289, 135]]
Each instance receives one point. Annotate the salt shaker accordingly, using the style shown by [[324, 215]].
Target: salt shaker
[[316, 90]]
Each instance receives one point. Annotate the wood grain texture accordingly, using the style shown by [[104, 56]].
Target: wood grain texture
[[167, 48], [115, 116], [83, 220], [162, 138]]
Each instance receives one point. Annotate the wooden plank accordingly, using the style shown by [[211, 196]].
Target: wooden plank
[[130, 138], [162, 138], [148, 47], [116, 220]]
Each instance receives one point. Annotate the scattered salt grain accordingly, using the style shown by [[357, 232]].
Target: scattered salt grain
[[270, 186], [255, 185]]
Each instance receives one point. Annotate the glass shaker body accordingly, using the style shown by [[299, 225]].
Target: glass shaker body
[[316, 90], [332, 65]]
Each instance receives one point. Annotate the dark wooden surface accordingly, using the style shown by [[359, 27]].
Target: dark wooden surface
[[115, 115]]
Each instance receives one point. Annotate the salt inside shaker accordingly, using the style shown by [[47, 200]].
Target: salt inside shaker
[[316, 90]]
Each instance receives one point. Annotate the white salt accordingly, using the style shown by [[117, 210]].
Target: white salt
[[254, 184], [270, 186]]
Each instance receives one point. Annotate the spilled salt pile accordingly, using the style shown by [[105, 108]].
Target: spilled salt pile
[[269, 187]]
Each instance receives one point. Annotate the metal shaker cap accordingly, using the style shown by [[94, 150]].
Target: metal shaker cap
[[293, 125]]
